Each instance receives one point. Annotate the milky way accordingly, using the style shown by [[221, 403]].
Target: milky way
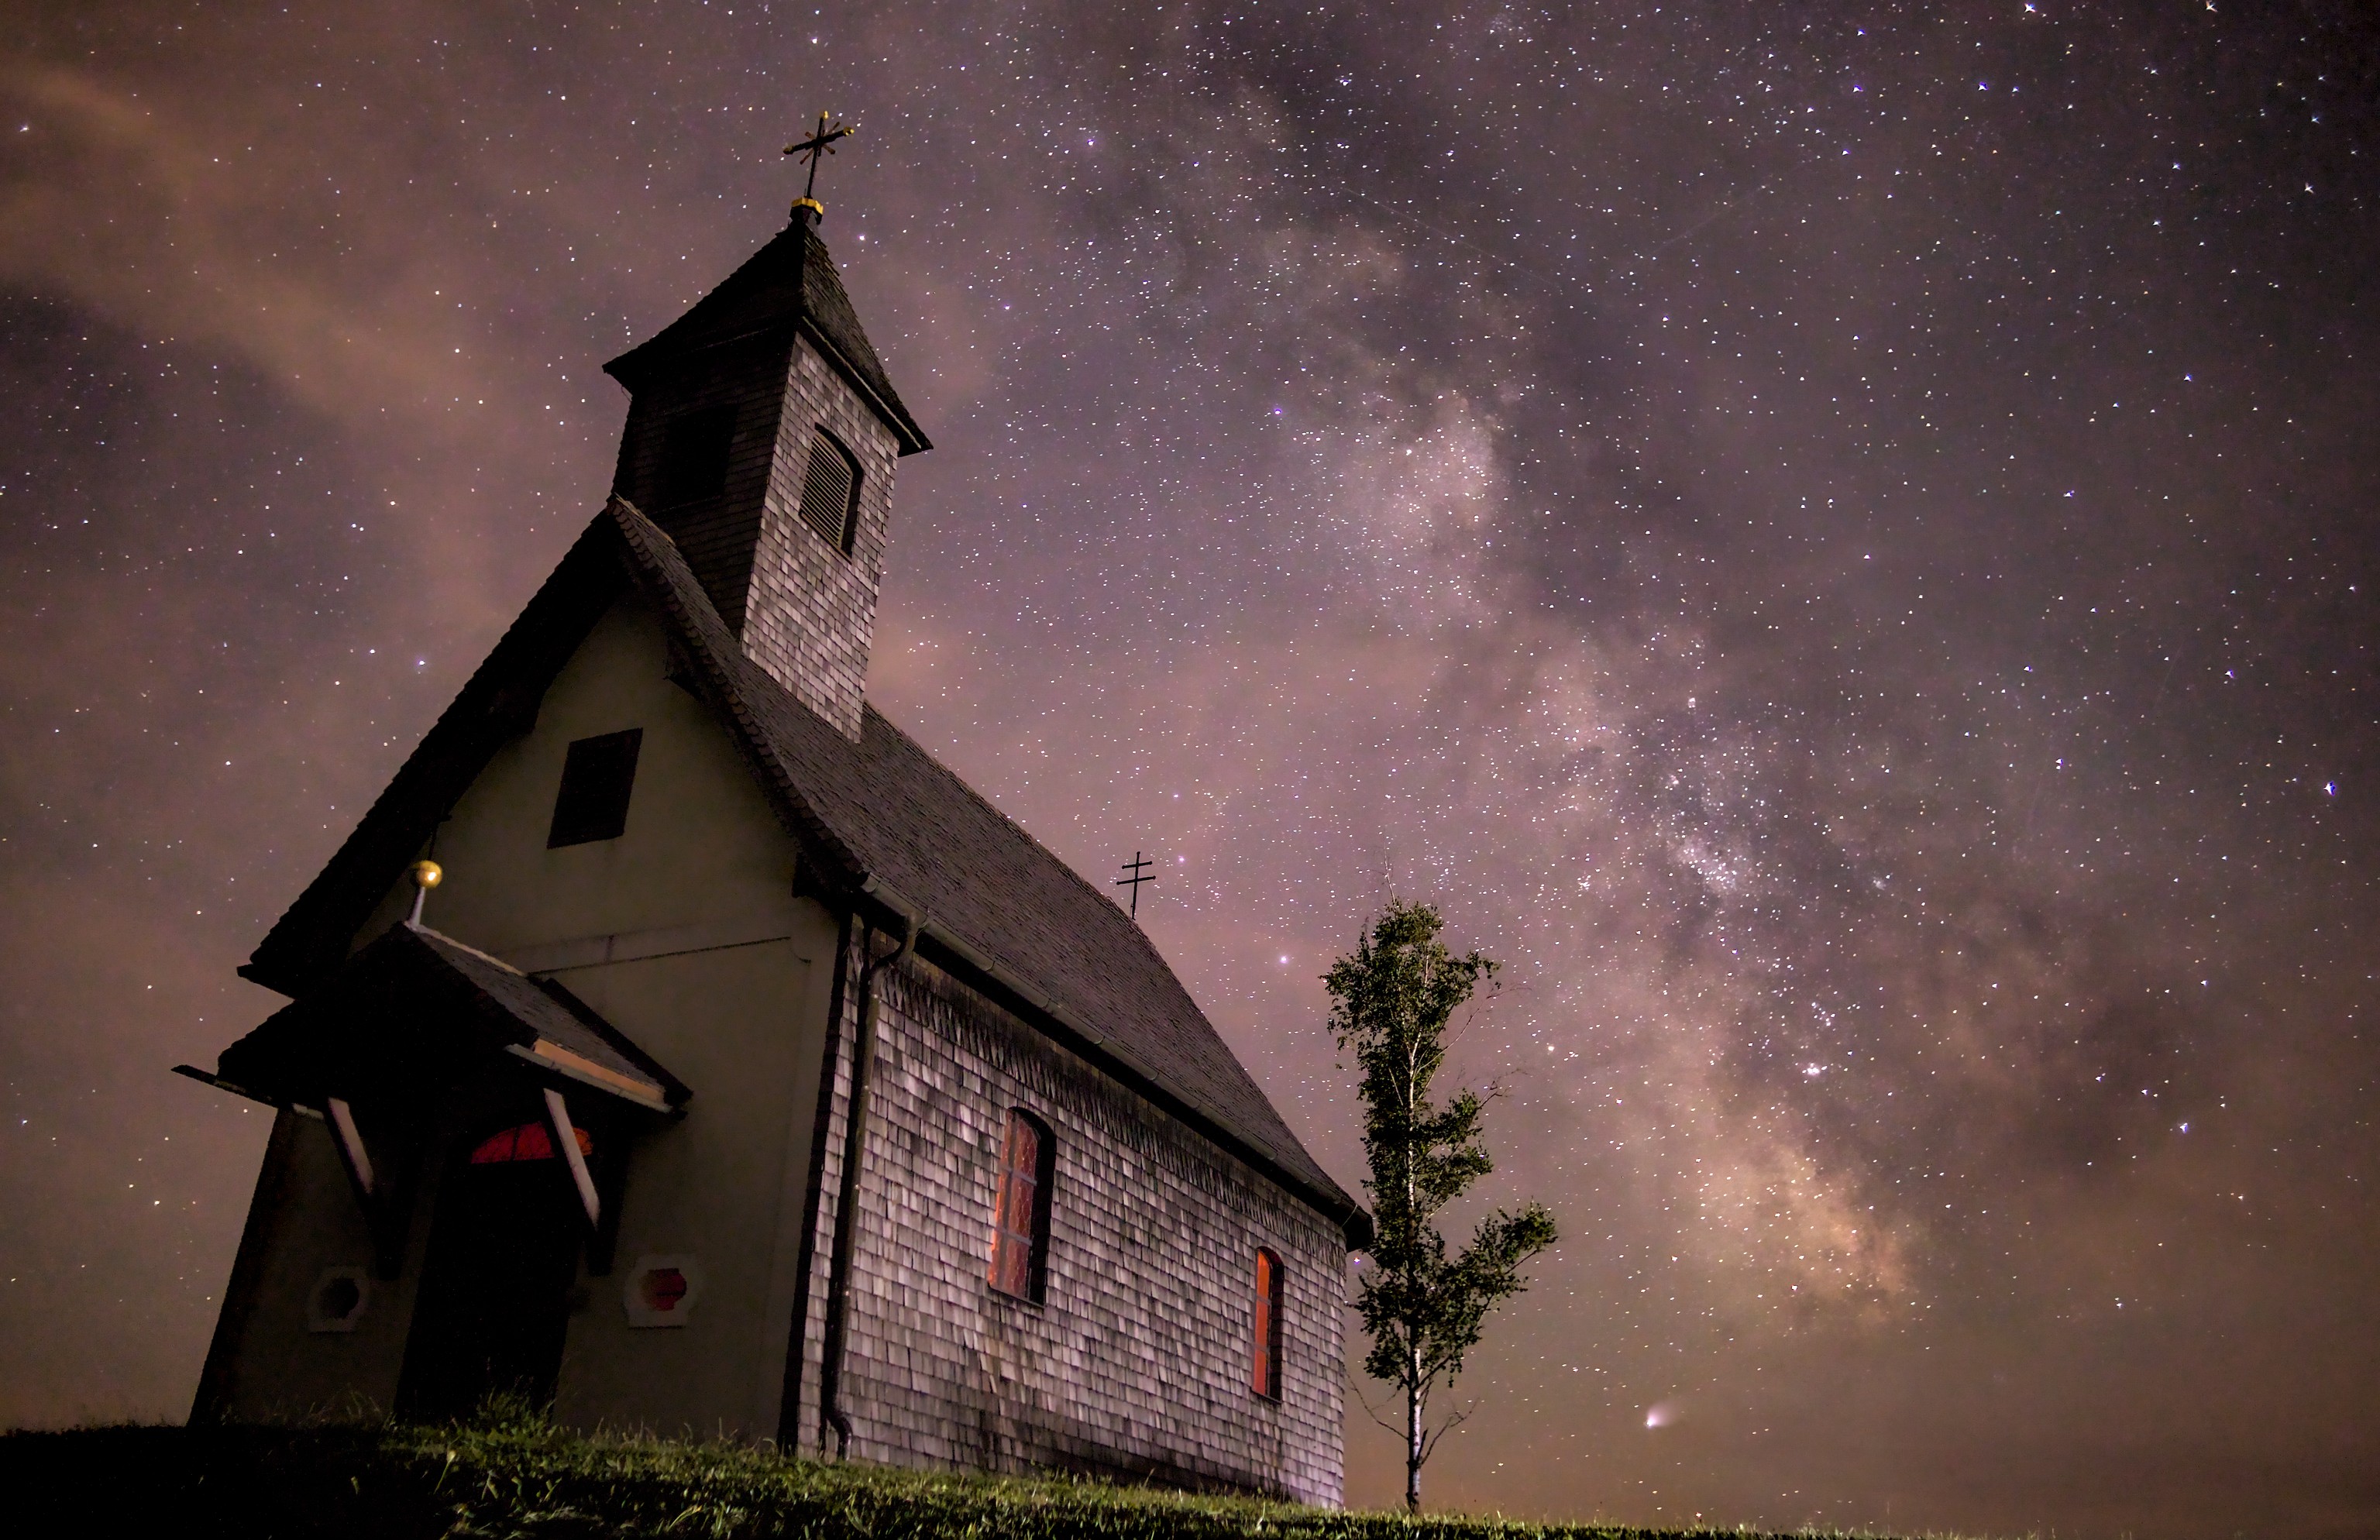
[[1837, 542]]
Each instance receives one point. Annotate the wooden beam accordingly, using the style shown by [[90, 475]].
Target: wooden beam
[[352, 1153], [565, 1138], [384, 1203]]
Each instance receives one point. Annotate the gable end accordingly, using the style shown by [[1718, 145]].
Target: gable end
[[499, 704]]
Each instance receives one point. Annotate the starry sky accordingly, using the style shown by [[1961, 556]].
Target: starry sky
[[1837, 541]]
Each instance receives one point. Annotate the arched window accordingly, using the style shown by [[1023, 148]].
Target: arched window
[[1267, 1382], [1020, 1230], [527, 1142], [831, 491]]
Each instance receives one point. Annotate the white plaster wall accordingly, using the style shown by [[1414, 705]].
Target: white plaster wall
[[701, 842], [283, 1372], [725, 1185], [736, 1006]]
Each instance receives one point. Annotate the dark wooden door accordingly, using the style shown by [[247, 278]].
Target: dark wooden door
[[495, 1288]]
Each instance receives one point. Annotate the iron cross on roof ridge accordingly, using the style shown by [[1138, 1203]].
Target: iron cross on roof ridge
[[1138, 869], [820, 143]]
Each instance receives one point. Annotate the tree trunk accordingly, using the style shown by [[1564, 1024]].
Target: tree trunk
[[1412, 1431], [1412, 1327]]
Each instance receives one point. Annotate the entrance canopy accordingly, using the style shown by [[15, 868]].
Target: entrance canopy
[[415, 1015], [415, 1011]]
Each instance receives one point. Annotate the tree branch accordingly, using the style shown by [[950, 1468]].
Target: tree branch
[[1456, 1420], [1370, 1410]]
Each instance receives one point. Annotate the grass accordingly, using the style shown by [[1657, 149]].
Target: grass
[[523, 1478]]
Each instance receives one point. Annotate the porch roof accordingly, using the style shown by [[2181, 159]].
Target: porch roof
[[416, 1009]]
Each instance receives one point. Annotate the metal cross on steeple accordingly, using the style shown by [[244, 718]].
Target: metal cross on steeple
[[1138, 868], [820, 143]]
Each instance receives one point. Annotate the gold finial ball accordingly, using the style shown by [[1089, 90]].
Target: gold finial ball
[[428, 874]]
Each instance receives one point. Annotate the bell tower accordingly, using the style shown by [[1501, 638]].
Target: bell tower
[[763, 435]]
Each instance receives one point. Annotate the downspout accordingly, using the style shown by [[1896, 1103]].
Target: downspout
[[847, 1210]]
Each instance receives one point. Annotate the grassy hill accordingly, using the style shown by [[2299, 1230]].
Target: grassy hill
[[526, 1479]]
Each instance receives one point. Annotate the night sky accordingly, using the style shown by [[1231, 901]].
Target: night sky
[[1836, 541]]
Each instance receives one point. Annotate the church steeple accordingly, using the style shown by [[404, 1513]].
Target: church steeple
[[763, 435]]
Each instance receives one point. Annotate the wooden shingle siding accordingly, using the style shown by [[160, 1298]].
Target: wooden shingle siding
[[715, 519], [1136, 1363], [812, 608]]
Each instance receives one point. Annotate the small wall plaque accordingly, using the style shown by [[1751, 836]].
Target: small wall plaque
[[338, 1299], [662, 1291]]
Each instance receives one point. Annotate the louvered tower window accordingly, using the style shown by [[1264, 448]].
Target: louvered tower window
[[1020, 1234], [831, 491], [1267, 1380]]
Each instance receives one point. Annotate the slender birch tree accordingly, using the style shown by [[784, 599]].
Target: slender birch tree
[[1390, 1001]]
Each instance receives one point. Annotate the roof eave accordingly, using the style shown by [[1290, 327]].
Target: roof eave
[[894, 416], [497, 704], [638, 366], [955, 954]]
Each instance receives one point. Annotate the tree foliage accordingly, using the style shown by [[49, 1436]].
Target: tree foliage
[[1391, 999]]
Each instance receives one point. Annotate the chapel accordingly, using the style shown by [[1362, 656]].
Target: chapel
[[676, 1045]]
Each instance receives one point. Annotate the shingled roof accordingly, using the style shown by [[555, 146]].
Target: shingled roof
[[880, 818], [788, 285]]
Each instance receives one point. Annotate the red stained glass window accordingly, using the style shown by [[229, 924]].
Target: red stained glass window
[[1020, 1232], [527, 1142], [1267, 1382]]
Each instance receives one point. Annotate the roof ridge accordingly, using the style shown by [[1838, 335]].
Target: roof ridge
[[418, 929]]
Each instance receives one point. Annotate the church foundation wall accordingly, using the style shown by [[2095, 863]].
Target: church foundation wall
[[1138, 1360]]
